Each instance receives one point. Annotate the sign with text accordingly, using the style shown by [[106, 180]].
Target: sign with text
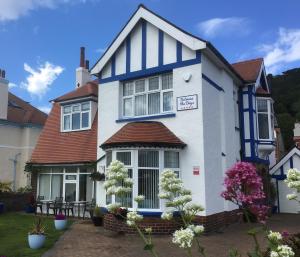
[[196, 170], [188, 102]]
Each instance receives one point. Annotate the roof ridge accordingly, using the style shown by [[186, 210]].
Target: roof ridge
[[250, 60]]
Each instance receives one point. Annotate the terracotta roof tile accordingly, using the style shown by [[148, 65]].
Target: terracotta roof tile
[[55, 147], [261, 91], [22, 112], [248, 70], [89, 89], [144, 134]]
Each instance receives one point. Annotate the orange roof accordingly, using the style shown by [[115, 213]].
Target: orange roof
[[22, 112], [89, 89], [248, 70], [147, 133], [261, 91]]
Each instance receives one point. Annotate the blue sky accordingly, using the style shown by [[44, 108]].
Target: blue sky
[[40, 39]]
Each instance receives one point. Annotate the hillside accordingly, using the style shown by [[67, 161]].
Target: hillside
[[285, 90]]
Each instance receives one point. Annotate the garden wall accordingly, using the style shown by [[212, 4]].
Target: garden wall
[[14, 201]]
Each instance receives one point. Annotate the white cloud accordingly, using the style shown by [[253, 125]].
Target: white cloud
[[283, 51], [12, 85], [14, 9], [45, 109], [101, 50], [224, 26], [39, 80]]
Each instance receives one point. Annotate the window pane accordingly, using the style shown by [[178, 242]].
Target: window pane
[[44, 186], [85, 187], [140, 86], [148, 158], [262, 105], [67, 109], [167, 81], [85, 119], [71, 169], [140, 105], [70, 192], [85, 106], [154, 83], [56, 186], [168, 101], [76, 108], [128, 89], [154, 103], [126, 201], [108, 158], [171, 159], [67, 122], [263, 126], [148, 181], [76, 121], [127, 108], [124, 157]]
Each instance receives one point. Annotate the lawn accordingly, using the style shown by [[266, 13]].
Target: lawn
[[14, 229]]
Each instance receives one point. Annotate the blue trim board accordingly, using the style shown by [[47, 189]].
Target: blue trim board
[[242, 129], [160, 48], [251, 122], [144, 44], [291, 162], [215, 85], [179, 51], [151, 71], [153, 117], [277, 189], [113, 65], [128, 49]]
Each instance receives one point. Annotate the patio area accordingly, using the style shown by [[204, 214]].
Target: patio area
[[84, 239]]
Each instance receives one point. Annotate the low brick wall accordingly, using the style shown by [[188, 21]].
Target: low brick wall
[[163, 227], [14, 201]]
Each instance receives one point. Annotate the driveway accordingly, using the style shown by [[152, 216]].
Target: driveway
[[86, 240]]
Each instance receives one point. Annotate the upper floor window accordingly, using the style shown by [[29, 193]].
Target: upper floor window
[[148, 96], [265, 118], [76, 116]]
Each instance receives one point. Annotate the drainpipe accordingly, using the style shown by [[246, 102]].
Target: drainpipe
[[15, 161]]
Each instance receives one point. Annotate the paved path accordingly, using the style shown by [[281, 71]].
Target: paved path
[[86, 240]]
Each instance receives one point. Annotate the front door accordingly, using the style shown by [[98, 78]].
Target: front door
[[70, 187]]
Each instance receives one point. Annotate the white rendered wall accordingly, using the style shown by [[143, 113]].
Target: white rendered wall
[[121, 60], [152, 46], [136, 48], [169, 49]]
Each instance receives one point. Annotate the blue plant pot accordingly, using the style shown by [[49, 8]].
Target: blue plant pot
[[36, 241], [1, 208], [29, 209], [60, 224]]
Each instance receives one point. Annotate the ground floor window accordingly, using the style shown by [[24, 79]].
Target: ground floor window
[[144, 167], [72, 183]]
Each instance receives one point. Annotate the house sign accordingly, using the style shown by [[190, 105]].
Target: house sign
[[188, 102]]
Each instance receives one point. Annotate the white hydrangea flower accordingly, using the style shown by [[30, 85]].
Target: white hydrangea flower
[[148, 230], [183, 238], [274, 236], [164, 195], [197, 229], [167, 215], [113, 207], [274, 254], [139, 198], [132, 218], [285, 251], [291, 196]]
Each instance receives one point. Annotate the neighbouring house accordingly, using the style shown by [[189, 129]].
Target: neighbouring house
[[66, 152], [279, 171], [170, 100], [20, 126]]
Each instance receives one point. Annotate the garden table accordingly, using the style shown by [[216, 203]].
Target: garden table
[[79, 205]]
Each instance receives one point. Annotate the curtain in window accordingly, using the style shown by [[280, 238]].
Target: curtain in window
[[76, 120], [140, 86], [263, 125], [128, 89], [67, 122], [168, 101], [148, 158], [140, 105], [126, 201], [167, 81], [124, 157], [44, 186], [171, 159], [56, 186], [153, 83], [127, 108], [85, 119], [154, 103]]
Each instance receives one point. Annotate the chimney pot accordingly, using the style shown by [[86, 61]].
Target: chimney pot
[[87, 64], [82, 57]]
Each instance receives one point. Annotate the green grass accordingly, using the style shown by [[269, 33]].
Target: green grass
[[14, 228]]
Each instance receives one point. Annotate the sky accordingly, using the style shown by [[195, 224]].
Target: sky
[[40, 39]]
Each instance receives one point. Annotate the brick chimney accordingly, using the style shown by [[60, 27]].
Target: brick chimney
[[82, 72], [3, 95]]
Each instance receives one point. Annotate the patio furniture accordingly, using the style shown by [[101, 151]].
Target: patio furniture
[[67, 207], [56, 206], [89, 207], [39, 203]]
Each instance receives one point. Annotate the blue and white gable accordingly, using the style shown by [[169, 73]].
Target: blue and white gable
[[147, 44]]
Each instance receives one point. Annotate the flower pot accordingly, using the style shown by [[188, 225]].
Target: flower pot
[[36, 241], [29, 209], [98, 221], [60, 224]]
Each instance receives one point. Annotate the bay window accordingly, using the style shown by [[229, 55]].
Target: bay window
[[144, 167], [76, 116], [265, 118], [148, 96]]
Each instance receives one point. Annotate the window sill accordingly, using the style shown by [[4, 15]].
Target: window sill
[[75, 130], [160, 116]]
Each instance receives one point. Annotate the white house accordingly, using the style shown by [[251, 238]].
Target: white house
[[168, 99]]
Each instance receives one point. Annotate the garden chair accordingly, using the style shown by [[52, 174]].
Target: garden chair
[[89, 207], [67, 207], [39, 203], [56, 206]]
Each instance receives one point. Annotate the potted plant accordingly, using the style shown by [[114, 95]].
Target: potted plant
[[97, 216], [37, 236], [60, 221], [97, 176]]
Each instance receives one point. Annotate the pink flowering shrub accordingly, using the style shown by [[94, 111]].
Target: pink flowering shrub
[[244, 187]]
